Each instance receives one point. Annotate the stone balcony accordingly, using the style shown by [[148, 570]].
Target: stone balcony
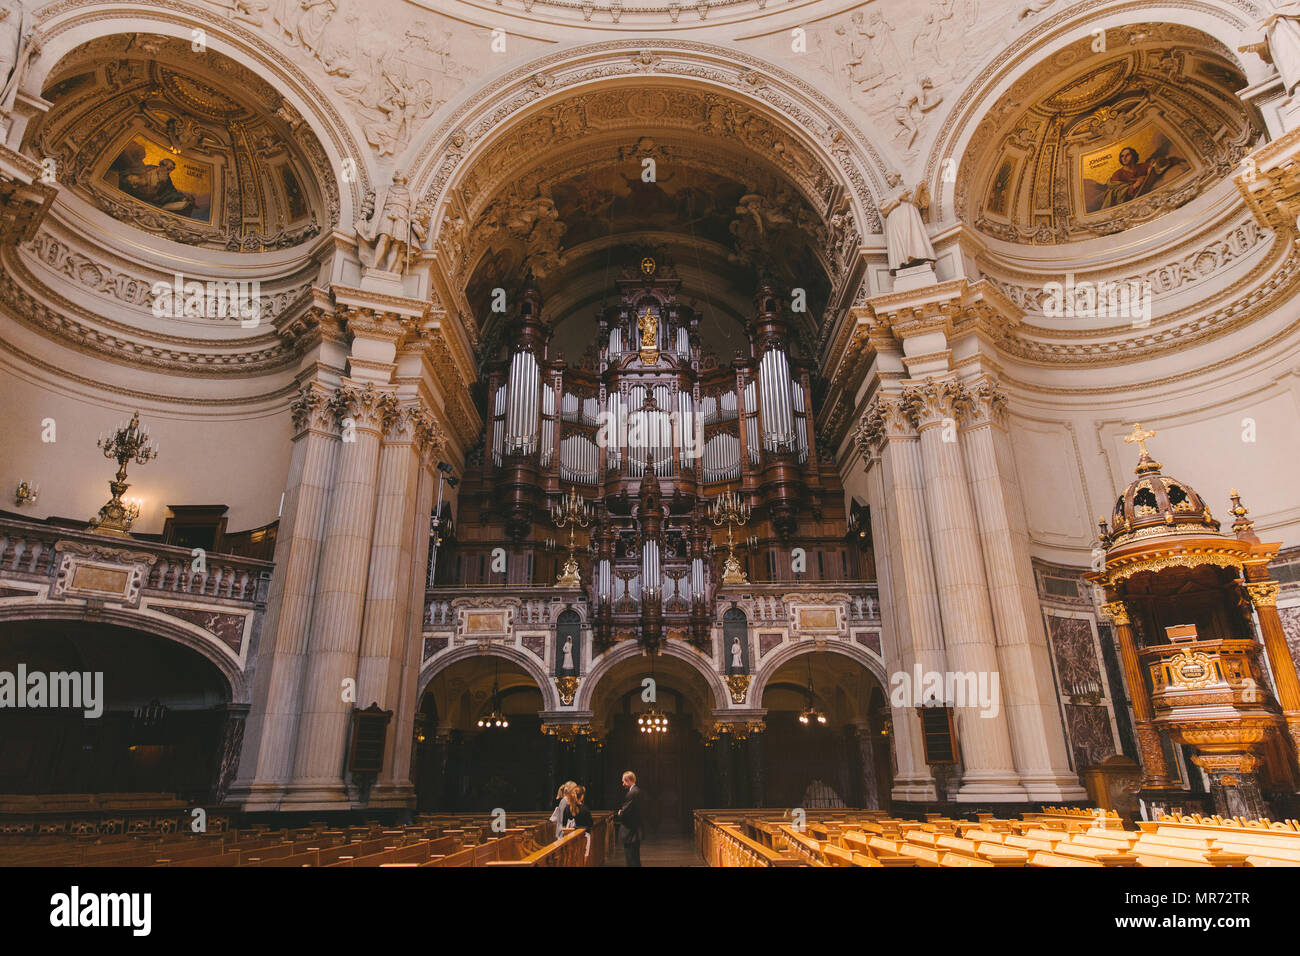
[[213, 603]]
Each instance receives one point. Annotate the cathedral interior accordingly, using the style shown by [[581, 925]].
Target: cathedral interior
[[432, 403]]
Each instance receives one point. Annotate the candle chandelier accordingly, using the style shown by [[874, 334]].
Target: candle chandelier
[[730, 509], [654, 720], [571, 511], [126, 443]]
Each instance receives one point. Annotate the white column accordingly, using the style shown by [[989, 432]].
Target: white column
[[1028, 691], [267, 754], [988, 769], [912, 631], [319, 761]]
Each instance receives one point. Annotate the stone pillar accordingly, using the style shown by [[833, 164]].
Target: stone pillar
[[756, 768], [267, 756], [907, 581], [1024, 658], [232, 742], [867, 750], [392, 634], [1155, 771], [1263, 595], [364, 414], [988, 769]]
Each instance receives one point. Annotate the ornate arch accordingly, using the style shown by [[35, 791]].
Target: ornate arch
[[1233, 25], [793, 649], [64, 26], [492, 112], [171, 629], [470, 651], [630, 649]]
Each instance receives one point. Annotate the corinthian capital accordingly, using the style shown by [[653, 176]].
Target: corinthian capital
[[884, 418], [430, 437], [368, 407], [1262, 593], [313, 409], [985, 403], [932, 403], [1117, 611]]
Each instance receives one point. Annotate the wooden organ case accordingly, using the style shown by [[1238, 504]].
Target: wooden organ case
[[649, 428]]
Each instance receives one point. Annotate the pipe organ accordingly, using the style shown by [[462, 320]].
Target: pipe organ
[[649, 426]]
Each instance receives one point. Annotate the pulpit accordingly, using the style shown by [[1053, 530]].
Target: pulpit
[[1185, 598]]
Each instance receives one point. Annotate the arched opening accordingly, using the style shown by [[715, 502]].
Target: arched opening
[[826, 742], [108, 709], [479, 740], [672, 766]]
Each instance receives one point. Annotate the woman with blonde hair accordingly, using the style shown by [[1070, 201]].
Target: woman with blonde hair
[[562, 803], [577, 816]]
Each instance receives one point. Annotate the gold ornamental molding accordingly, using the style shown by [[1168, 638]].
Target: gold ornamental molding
[[568, 689], [738, 729], [1117, 611], [738, 684], [1262, 593], [1121, 568]]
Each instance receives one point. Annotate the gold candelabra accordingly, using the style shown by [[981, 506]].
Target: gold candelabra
[[126, 443], [730, 509], [574, 512]]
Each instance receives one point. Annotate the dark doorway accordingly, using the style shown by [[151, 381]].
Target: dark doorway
[[669, 767]]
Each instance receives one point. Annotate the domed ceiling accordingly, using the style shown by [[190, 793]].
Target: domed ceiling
[[189, 146], [1138, 129]]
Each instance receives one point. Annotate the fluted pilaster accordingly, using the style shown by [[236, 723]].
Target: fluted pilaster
[[888, 434], [270, 736], [1024, 658], [391, 634], [364, 413], [988, 768]]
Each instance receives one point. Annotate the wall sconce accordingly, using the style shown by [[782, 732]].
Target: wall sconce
[[133, 506], [27, 491]]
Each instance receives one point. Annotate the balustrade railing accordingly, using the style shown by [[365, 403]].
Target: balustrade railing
[[29, 551]]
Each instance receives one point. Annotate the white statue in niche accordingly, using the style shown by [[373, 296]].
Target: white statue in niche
[[18, 44], [1281, 28], [905, 232], [567, 663], [736, 657], [383, 239]]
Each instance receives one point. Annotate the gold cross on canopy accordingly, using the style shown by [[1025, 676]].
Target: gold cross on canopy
[[1140, 436]]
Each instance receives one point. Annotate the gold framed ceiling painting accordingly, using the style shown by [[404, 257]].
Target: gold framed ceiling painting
[[156, 176], [1128, 168]]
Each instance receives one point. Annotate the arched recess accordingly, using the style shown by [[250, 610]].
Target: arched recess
[[64, 27], [525, 660], [792, 649], [1230, 27], [678, 91], [699, 666], [171, 629]]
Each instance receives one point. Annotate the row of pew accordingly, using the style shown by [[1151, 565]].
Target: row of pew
[[1056, 837], [434, 840]]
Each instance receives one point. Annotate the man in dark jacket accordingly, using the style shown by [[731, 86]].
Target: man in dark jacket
[[629, 818]]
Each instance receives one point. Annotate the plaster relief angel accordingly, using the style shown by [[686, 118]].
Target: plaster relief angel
[[912, 100], [18, 46]]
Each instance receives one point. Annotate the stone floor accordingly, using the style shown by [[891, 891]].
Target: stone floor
[[665, 850]]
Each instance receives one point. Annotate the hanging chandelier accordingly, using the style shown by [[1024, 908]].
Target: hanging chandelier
[[653, 721], [811, 715], [495, 719]]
